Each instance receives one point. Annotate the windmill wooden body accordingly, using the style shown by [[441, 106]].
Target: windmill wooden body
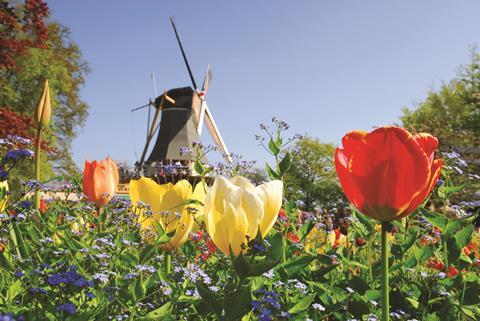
[[183, 112]]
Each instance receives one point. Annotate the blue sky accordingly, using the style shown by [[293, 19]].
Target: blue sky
[[325, 67]]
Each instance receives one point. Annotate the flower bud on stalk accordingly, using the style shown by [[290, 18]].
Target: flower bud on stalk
[[41, 119]]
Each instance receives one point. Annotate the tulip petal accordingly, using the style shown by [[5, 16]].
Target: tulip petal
[[391, 169], [350, 189], [253, 207], [237, 223], [271, 194], [436, 171], [87, 180], [214, 209], [105, 180], [241, 181], [182, 231], [352, 141], [149, 192], [173, 202], [428, 143]]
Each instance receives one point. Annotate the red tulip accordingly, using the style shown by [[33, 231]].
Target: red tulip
[[387, 173], [100, 180]]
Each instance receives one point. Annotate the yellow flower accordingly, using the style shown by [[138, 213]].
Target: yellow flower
[[168, 205], [4, 199], [235, 209], [315, 240]]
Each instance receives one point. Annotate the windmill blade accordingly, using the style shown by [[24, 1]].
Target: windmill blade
[[184, 55], [201, 117], [206, 80], [217, 138], [202, 94]]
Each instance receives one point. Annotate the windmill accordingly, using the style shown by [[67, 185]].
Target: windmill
[[183, 112]]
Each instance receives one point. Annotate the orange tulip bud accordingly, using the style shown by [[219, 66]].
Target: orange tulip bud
[[43, 112], [100, 180], [387, 173]]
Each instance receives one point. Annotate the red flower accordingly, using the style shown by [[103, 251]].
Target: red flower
[[434, 263], [100, 180], [43, 206], [293, 237], [360, 241], [452, 271], [387, 173]]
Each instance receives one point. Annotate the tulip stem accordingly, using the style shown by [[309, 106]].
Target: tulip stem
[[169, 262], [385, 283], [444, 239], [38, 141]]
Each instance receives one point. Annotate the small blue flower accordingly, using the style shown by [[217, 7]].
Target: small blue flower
[[34, 290], [70, 308]]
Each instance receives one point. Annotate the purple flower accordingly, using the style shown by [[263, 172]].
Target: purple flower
[[17, 154], [3, 175], [69, 277], [70, 308], [25, 204]]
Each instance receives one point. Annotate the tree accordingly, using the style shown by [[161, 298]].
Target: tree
[[452, 114], [57, 59], [312, 177]]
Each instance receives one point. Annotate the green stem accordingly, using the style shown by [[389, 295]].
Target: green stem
[[385, 285], [445, 252], [38, 141], [369, 260], [444, 239], [462, 298], [169, 262]]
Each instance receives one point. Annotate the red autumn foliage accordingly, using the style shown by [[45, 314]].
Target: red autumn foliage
[[17, 124], [21, 31]]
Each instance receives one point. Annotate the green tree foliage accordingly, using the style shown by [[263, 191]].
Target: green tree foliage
[[312, 177], [60, 61], [452, 114]]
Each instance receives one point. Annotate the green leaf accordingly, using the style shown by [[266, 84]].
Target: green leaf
[[436, 219], [13, 290], [423, 253], [209, 298], [463, 237], [239, 304], [302, 304], [146, 253], [296, 264], [273, 174], [413, 302], [21, 246], [444, 192], [5, 263], [159, 314], [198, 167], [285, 164], [137, 289], [273, 147]]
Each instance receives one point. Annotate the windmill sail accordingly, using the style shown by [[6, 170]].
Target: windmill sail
[[213, 129]]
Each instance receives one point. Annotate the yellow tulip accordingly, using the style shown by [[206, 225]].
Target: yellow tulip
[[168, 205], [4, 199], [235, 210], [43, 112]]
